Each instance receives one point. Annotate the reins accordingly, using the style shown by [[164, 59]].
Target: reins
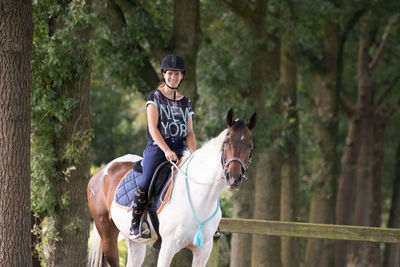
[[198, 237], [191, 178]]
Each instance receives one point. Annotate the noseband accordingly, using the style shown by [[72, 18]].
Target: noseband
[[226, 164]]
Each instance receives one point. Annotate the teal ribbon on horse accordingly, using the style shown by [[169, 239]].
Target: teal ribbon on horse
[[198, 237]]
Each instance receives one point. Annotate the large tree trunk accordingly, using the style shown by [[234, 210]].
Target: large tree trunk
[[345, 195], [73, 164], [290, 165], [362, 251], [72, 223], [186, 40], [15, 54], [392, 251], [326, 98]]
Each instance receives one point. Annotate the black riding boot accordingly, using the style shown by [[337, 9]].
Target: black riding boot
[[139, 204]]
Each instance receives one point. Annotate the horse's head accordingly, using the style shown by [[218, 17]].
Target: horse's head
[[236, 151]]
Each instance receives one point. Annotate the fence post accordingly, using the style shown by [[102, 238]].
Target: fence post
[[213, 260]]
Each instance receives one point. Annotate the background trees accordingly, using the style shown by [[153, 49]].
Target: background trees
[[323, 78]]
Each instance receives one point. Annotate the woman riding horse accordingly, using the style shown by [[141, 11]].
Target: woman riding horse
[[169, 123], [190, 217]]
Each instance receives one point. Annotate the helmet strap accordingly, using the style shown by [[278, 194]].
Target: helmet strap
[[173, 88]]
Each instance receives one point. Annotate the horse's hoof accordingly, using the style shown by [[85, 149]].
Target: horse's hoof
[[217, 235]]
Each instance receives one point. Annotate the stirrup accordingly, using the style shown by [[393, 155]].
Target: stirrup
[[144, 233]]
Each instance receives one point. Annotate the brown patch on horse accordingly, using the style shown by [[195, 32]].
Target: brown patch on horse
[[101, 188], [100, 193], [116, 172]]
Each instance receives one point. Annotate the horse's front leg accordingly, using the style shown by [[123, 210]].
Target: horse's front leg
[[201, 254], [136, 253], [167, 252]]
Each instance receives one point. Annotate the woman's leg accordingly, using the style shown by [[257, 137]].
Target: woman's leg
[[153, 156]]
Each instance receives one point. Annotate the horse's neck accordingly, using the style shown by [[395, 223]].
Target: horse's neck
[[204, 171]]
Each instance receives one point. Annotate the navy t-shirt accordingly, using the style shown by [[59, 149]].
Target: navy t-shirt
[[172, 115]]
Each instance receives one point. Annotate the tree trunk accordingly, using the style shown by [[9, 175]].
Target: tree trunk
[[290, 165], [345, 196], [392, 251], [15, 54], [362, 251], [378, 146], [266, 250], [243, 208], [72, 151], [73, 221], [186, 39], [325, 109]]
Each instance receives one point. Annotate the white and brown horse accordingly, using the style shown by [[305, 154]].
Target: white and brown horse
[[193, 208]]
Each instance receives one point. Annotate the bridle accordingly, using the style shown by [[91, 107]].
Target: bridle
[[225, 163]]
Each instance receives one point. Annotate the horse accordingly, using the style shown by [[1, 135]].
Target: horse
[[192, 213]]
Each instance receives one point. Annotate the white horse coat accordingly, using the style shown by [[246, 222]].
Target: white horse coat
[[178, 225]]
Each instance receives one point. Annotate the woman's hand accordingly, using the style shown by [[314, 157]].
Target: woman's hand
[[170, 155]]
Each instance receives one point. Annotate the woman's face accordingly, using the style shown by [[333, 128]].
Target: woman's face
[[173, 77]]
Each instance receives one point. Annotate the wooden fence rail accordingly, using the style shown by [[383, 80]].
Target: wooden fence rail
[[312, 230], [308, 230]]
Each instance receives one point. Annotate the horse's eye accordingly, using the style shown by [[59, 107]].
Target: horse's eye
[[227, 140]]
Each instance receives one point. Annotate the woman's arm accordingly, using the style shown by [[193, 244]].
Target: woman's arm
[[190, 138], [152, 121]]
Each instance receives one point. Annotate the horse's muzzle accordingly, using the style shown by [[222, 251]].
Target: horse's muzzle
[[233, 181]]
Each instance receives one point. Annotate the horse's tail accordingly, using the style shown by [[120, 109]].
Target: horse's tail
[[95, 254]]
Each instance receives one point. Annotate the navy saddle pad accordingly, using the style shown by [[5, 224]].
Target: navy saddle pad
[[127, 187]]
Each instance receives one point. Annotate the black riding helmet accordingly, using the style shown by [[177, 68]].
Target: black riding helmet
[[173, 62]]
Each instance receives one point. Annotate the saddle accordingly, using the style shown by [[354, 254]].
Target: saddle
[[127, 188]]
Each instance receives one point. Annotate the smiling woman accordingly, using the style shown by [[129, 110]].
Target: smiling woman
[[169, 125]]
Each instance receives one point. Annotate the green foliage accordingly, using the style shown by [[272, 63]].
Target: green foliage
[[226, 204], [58, 50], [75, 150], [223, 70], [119, 54]]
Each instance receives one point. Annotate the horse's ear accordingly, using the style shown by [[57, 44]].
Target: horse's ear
[[229, 117], [252, 121]]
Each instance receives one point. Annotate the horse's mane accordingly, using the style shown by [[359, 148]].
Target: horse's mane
[[211, 145]]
